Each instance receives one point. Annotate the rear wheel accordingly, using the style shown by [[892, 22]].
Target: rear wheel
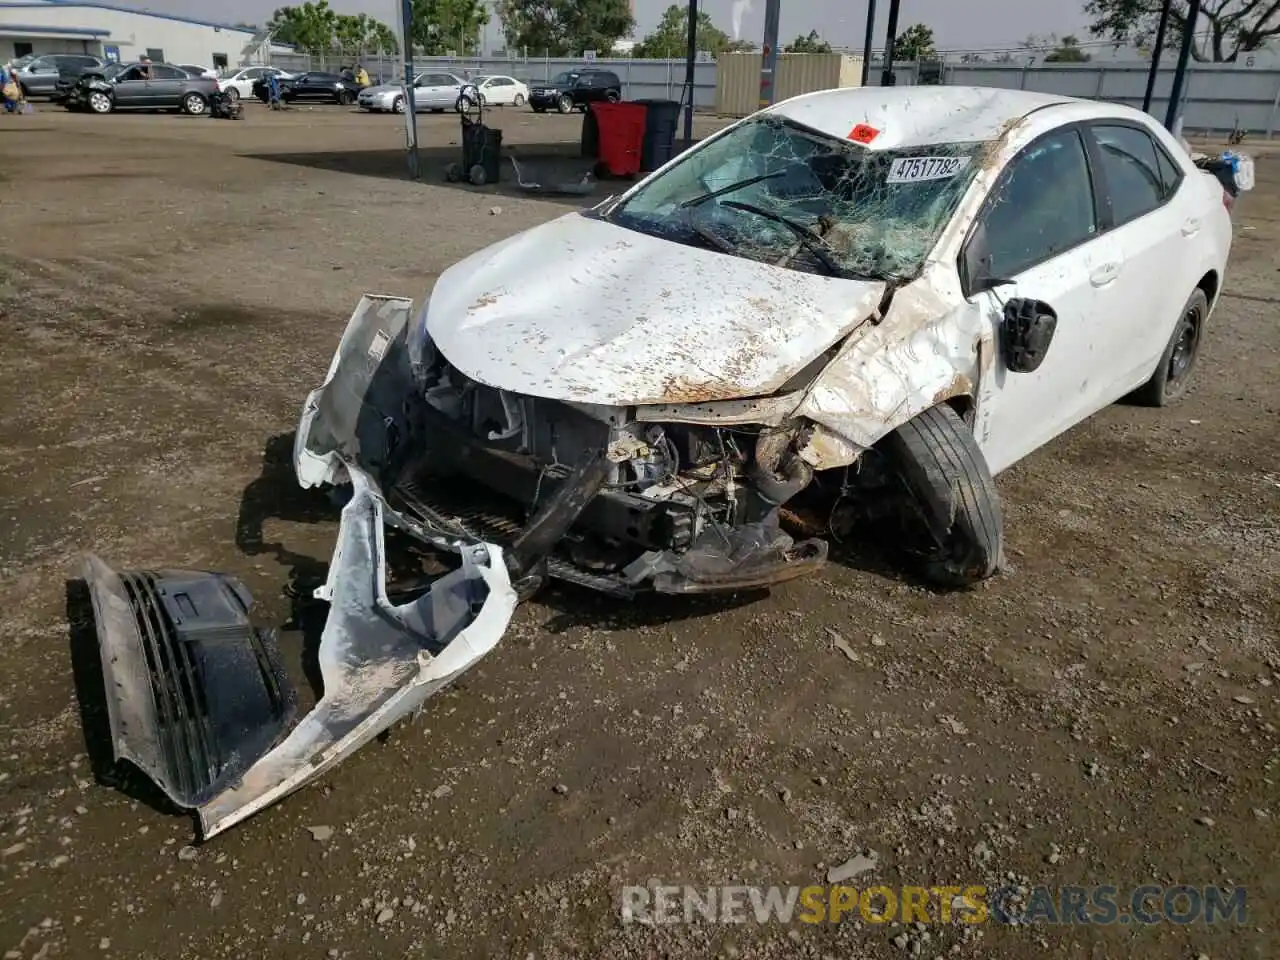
[[194, 104], [613, 96], [233, 93], [1172, 377], [518, 101], [952, 515], [398, 105]]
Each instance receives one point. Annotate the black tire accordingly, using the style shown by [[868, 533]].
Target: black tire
[[565, 104], [194, 105], [1172, 376], [397, 105], [948, 486], [613, 96], [345, 98], [234, 94]]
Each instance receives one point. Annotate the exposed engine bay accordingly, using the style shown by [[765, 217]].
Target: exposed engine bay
[[591, 494]]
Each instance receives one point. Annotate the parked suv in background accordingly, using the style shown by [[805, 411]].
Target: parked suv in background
[[39, 77], [574, 89]]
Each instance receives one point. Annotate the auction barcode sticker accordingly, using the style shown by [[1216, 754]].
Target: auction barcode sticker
[[914, 169]]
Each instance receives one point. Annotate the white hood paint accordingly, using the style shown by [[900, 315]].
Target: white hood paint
[[589, 312]]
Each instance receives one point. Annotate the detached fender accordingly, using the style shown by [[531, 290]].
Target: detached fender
[[925, 351]]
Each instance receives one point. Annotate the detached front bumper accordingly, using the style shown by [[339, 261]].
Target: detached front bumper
[[196, 694]]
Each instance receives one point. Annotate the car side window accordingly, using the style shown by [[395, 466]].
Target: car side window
[[168, 73], [1042, 206], [133, 73], [253, 73], [1131, 168]]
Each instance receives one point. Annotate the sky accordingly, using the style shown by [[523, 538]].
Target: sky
[[973, 25]]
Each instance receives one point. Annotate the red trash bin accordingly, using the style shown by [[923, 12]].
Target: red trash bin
[[621, 136]]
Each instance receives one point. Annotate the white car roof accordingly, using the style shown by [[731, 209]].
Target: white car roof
[[918, 116]]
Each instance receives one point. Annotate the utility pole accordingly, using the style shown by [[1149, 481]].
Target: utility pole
[[405, 18], [868, 41], [690, 72], [1156, 53], [1180, 73], [887, 79], [769, 54]]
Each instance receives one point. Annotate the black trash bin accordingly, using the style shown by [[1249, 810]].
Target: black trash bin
[[481, 147], [661, 121], [590, 136]]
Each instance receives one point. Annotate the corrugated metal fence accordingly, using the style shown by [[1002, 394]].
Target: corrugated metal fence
[[1216, 97]]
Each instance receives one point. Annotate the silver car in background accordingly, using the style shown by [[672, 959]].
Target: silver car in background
[[432, 93]]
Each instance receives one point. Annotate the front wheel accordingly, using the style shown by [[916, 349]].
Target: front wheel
[[565, 104], [193, 104], [345, 99], [1172, 377], [518, 101], [100, 102], [952, 514]]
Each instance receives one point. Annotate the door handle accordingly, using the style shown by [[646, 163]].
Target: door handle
[[1191, 227], [1104, 274]]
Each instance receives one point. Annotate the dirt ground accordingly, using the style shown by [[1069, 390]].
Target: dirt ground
[[1103, 713]]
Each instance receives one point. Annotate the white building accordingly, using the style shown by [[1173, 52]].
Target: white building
[[119, 33]]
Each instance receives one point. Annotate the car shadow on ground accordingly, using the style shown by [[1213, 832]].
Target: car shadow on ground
[[548, 164], [558, 167]]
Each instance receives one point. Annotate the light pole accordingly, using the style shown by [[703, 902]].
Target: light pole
[[1180, 72], [868, 41], [887, 79], [405, 11]]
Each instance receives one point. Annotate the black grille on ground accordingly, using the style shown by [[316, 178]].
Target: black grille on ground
[[221, 696]]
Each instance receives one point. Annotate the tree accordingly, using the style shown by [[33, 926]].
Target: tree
[[365, 34], [1234, 26], [741, 46], [562, 28], [1067, 51], [671, 39], [309, 26], [810, 44], [972, 58], [443, 25], [914, 43]]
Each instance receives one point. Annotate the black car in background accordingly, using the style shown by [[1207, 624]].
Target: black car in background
[[574, 90], [39, 77], [141, 86], [312, 88]]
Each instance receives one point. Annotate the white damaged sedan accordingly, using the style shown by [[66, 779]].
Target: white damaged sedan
[[845, 313], [848, 310]]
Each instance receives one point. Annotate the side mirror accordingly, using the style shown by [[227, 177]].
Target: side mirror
[[1026, 333]]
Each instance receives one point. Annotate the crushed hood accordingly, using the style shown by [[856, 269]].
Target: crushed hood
[[582, 310]]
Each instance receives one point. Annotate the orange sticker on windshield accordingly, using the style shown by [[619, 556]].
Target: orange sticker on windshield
[[863, 133]]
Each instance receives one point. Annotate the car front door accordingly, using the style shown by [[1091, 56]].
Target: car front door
[[1040, 229], [130, 89], [1154, 229]]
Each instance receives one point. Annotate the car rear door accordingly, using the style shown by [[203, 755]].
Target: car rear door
[[1155, 230], [168, 84], [1041, 229]]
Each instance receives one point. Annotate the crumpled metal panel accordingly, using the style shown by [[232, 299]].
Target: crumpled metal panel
[[637, 319], [380, 661]]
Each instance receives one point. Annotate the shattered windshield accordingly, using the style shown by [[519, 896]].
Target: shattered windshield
[[775, 191]]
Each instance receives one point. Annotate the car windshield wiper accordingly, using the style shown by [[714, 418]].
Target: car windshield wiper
[[813, 242], [711, 195]]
